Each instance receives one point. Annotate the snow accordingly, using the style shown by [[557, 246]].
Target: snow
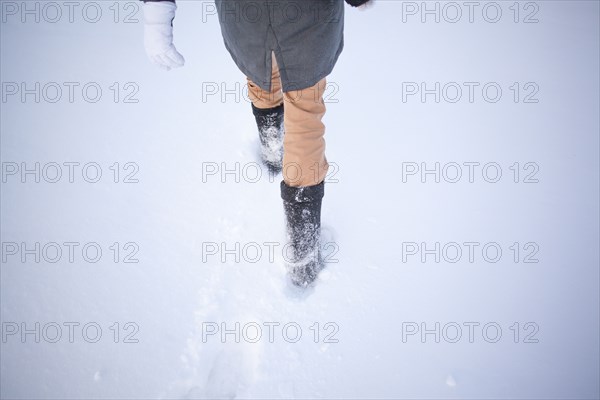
[[175, 203]]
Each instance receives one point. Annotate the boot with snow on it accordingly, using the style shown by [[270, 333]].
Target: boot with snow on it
[[302, 207], [270, 132]]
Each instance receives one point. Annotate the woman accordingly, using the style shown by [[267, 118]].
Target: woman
[[286, 49]]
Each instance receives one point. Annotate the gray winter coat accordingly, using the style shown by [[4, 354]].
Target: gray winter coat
[[305, 35]]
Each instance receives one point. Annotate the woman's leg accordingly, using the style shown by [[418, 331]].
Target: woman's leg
[[267, 107], [303, 185]]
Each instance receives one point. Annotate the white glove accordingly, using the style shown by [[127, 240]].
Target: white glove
[[158, 34], [367, 5]]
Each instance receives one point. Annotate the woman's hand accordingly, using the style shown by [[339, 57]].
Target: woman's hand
[[158, 34]]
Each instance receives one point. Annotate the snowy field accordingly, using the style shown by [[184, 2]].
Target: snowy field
[[142, 242]]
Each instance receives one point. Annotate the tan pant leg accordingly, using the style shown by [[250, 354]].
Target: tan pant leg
[[263, 99], [304, 161]]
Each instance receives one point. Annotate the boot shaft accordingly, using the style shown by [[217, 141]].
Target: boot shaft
[[270, 132], [302, 206]]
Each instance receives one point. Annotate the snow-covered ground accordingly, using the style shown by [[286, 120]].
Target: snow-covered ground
[[179, 194]]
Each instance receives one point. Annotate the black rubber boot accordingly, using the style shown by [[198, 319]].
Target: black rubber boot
[[302, 253], [270, 132]]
